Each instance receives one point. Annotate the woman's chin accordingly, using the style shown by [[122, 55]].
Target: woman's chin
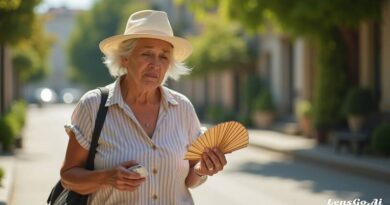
[[151, 84]]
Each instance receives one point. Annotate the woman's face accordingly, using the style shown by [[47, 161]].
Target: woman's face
[[148, 63]]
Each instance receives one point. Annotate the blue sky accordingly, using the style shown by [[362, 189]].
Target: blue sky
[[74, 4]]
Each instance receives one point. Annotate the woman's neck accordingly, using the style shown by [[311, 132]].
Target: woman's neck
[[134, 94]]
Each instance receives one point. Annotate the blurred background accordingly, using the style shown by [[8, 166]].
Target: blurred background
[[309, 71]]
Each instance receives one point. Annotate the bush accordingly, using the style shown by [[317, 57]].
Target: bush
[[8, 131], [244, 119], [216, 114], [1, 176], [11, 125], [250, 90], [303, 108], [20, 110], [358, 102], [381, 139], [264, 102]]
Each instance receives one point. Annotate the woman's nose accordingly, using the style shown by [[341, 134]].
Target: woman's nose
[[156, 62]]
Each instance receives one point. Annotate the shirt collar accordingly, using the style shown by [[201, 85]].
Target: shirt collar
[[115, 97], [114, 93], [167, 97]]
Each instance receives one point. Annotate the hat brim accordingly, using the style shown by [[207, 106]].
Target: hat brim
[[182, 47]]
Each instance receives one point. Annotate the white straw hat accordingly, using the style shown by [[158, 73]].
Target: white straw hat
[[149, 24]]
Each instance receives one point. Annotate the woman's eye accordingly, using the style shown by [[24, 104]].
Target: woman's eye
[[146, 54], [164, 57]]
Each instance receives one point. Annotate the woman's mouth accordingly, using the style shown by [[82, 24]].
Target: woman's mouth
[[151, 75]]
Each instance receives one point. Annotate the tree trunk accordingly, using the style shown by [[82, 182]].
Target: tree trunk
[[2, 71]]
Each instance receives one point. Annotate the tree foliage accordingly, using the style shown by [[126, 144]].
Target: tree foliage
[[29, 56], [219, 46], [105, 19], [321, 21], [17, 20], [331, 82], [23, 29], [300, 17], [9, 4]]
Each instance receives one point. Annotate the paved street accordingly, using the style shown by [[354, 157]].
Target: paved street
[[39, 161], [253, 176]]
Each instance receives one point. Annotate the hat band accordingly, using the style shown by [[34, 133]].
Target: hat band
[[149, 32]]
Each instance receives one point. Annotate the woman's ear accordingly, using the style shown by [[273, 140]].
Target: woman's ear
[[124, 60]]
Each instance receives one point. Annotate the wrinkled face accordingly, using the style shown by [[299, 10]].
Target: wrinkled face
[[148, 63]]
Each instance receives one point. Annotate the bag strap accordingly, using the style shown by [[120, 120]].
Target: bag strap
[[99, 121]]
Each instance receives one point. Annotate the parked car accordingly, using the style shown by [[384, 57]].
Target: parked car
[[70, 95], [42, 95]]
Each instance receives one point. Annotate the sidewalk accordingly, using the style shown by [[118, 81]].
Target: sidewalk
[[8, 164], [306, 149]]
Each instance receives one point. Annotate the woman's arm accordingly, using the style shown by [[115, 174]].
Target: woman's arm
[[76, 178], [213, 161], [194, 179]]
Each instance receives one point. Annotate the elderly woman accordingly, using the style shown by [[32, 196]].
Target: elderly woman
[[146, 123]]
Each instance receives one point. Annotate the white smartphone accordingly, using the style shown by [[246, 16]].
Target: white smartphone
[[139, 169]]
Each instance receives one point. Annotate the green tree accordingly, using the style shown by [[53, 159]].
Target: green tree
[[330, 25], [300, 17], [21, 29], [105, 19], [9, 4], [29, 56], [17, 20], [331, 82], [222, 45], [30, 44], [219, 46], [24, 31]]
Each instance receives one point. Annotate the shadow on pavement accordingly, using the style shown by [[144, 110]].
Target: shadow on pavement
[[321, 179]]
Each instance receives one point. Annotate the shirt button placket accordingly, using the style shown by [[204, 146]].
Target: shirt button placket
[[154, 171]]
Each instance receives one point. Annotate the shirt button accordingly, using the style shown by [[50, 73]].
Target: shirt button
[[154, 171], [154, 197], [154, 147]]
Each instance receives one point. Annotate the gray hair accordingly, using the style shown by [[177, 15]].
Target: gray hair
[[113, 62]]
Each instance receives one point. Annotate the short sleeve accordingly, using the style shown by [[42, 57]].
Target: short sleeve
[[81, 124]]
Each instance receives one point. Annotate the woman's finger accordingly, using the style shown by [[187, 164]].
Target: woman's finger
[[129, 163], [215, 160], [221, 156], [128, 184], [124, 180], [134, 182], [207, 162], [125, 187], [131, 175]]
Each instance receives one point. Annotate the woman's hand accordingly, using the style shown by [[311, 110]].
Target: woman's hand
[[124, 180], [213, 160]]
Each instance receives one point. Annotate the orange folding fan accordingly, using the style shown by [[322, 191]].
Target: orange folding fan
[[227, 136]]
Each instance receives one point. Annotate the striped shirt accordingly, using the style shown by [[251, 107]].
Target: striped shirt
[[123, 139]]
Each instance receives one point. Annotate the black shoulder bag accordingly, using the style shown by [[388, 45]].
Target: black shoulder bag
[[61, 196]]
